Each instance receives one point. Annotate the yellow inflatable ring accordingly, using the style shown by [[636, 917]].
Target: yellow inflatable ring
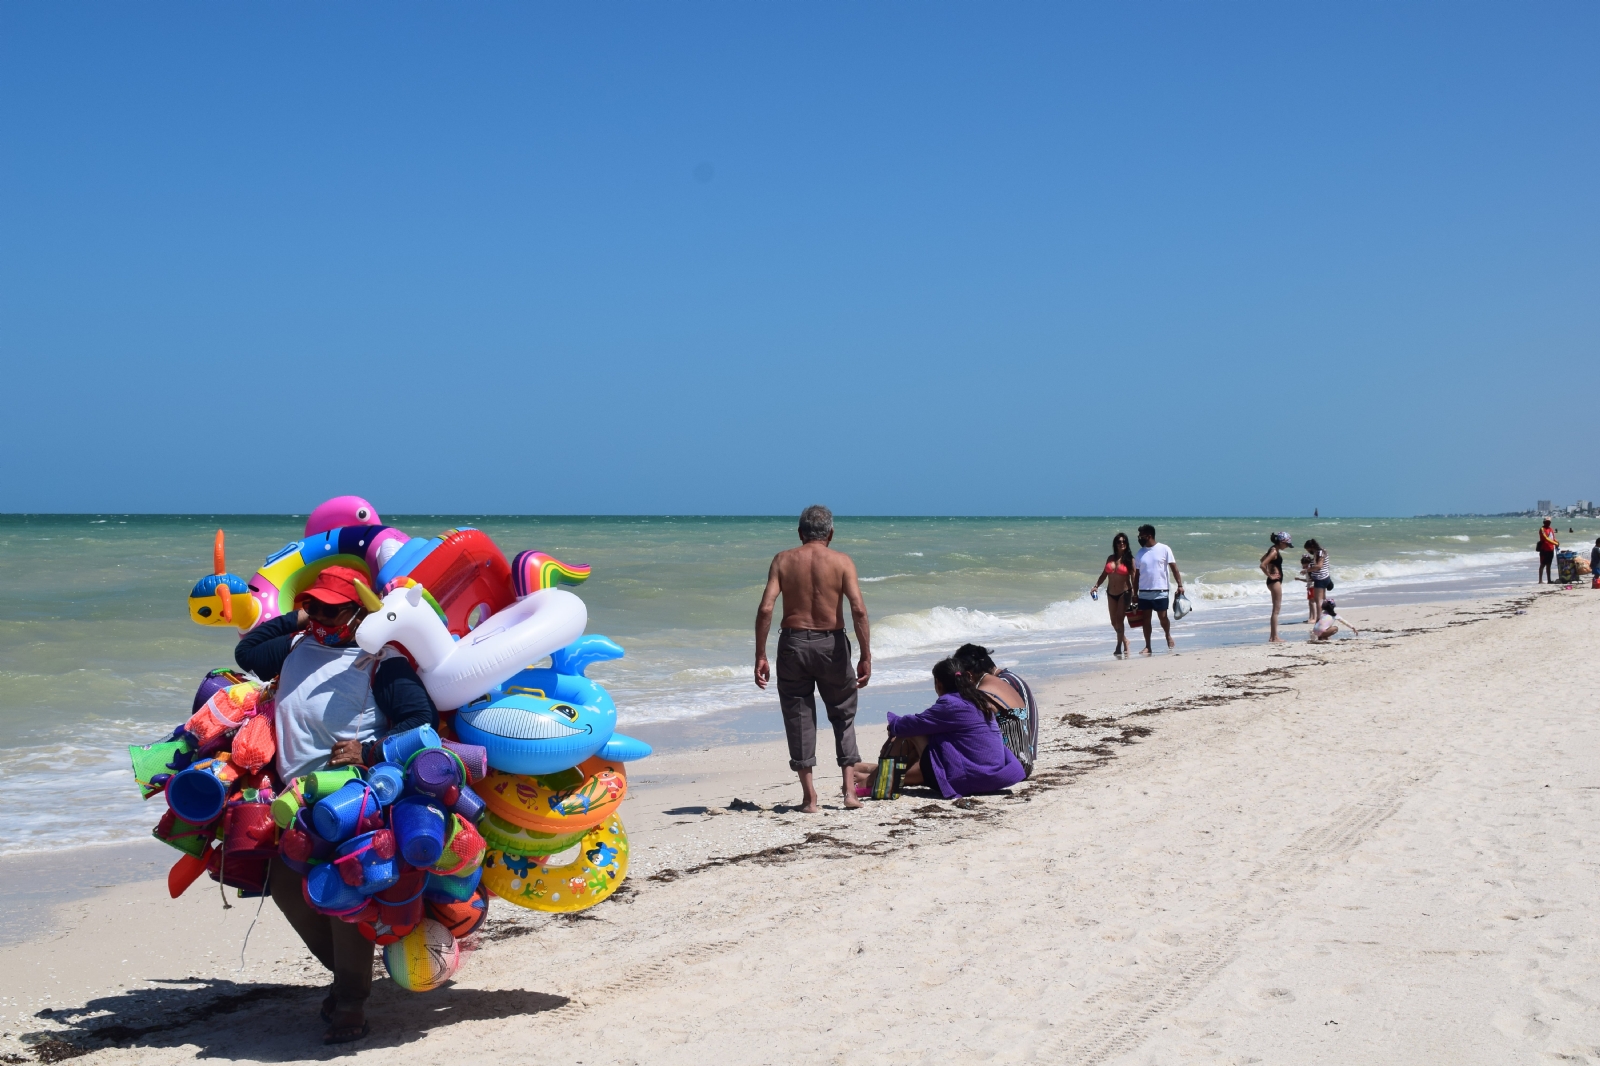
[[509, 836], [557, 803], [596, 871]]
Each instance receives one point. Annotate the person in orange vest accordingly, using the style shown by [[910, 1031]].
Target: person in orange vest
[[1547, 552]]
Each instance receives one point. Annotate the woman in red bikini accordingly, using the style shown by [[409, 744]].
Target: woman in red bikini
[[1117, 577]]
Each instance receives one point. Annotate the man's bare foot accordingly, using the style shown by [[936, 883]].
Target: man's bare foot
[[1145, 652], [851, 800], [1277, 640], [1170, 644], [808, 806]]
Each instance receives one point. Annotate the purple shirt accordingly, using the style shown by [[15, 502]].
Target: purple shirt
[[965, 750]]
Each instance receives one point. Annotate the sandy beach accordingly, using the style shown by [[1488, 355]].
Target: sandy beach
[[1371, 851]]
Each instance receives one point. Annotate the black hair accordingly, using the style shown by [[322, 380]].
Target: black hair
[[974, 659], [949, 676], [1147, 530], [1126, 557], [1327, 607], [1312, 546]]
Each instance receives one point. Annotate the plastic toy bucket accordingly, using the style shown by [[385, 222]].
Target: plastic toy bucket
[[469, 804], [474, 758], [300, 847], [463, 852], [419, 829], [387, 780], [246, 873], [353, 809], [442, 889], [327, 892], [400, 905], [187, 838], [402, 746], [248, 830], [434, 772], [368, 863], [196, 796], [324, 783]]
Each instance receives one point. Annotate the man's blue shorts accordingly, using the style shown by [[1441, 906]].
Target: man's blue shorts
[[1157, 605]]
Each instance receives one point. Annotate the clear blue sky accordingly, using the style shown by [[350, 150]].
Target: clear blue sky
[[1204, 258]]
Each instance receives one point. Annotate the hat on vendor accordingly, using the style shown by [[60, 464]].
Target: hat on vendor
[[335, 585]]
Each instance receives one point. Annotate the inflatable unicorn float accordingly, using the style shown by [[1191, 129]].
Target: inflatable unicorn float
[[515, 795]]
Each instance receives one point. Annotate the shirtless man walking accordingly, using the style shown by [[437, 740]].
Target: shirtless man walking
[[813, 652]]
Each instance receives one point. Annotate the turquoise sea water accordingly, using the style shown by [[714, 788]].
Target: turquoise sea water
[[97, 651]]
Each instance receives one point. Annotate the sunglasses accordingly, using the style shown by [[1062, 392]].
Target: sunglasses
[[326, 612]]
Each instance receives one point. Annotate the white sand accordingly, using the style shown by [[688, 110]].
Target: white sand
[[1375, 852]]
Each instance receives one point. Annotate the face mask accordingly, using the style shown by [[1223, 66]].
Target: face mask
[[333, 636]]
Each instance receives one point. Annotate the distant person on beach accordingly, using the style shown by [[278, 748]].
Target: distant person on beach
[[1321, 575], [1547, 552], [1311, 591], [1594, 563], [1118, 579], [1272, 566], [957, 743], [1151, 568], [813, 652], [1019, 722], [333, 704], [1327, 625]]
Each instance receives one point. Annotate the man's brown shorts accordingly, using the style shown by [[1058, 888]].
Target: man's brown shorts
[[810, 660]]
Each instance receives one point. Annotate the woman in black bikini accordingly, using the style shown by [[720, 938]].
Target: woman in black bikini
[[1272, 566], [1117, 577]]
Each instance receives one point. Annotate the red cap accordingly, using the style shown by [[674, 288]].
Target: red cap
[[336, 584]]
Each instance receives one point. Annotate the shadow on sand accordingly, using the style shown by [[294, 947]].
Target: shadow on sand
[[270, 1023]]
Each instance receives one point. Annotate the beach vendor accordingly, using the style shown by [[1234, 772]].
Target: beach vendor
[[333, 705], [960, 750]]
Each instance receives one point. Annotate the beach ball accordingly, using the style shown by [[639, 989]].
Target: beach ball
[[424, 958]]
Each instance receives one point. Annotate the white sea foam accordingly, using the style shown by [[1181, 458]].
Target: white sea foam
[[885, 577]]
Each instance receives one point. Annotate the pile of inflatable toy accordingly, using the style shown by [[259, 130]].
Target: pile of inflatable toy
[[515, 795]]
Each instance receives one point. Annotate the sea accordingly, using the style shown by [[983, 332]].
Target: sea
[[97, 651]]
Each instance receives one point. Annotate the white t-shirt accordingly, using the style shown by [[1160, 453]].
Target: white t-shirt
[[1152, 563], [1324, 625]]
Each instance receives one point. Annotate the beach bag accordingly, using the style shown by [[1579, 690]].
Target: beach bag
[[1135, 616], [894, 759], [1025, 690], [1180, 606]]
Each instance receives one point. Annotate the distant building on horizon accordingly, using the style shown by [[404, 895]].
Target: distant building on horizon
[[1544, 507]]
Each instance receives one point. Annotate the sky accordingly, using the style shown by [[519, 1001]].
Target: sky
[[902, 258]]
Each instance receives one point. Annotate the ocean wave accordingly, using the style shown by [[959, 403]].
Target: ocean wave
[[885, 577]]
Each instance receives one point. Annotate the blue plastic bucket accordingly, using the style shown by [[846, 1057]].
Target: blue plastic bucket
[[328, 892], [400, 747], [196, 796], [420, 828], [387, 780], [341, 815], [469, 805], [369, 860], [442, 889]]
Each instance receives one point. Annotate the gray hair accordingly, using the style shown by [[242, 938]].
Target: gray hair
[[816, 523]]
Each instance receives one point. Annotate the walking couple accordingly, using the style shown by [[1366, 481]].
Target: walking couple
[[1139, 585]]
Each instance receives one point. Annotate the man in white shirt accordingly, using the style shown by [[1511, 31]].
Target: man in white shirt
[[1151, 565]]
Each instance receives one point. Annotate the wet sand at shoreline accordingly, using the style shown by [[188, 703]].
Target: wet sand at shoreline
[[1365, 851]]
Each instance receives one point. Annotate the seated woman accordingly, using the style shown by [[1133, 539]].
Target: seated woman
[[960, 751], [333, 704], [1020, 719]]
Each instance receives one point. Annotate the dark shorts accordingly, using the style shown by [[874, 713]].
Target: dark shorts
[[1323, 583], [1545, 557], [1147, 604], [812, 661]]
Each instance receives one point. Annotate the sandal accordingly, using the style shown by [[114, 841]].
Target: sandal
[[329, 1005], [345, 1034]]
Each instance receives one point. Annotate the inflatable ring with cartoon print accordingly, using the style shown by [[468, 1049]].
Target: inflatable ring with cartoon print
[[592, 875], [557, 803]]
